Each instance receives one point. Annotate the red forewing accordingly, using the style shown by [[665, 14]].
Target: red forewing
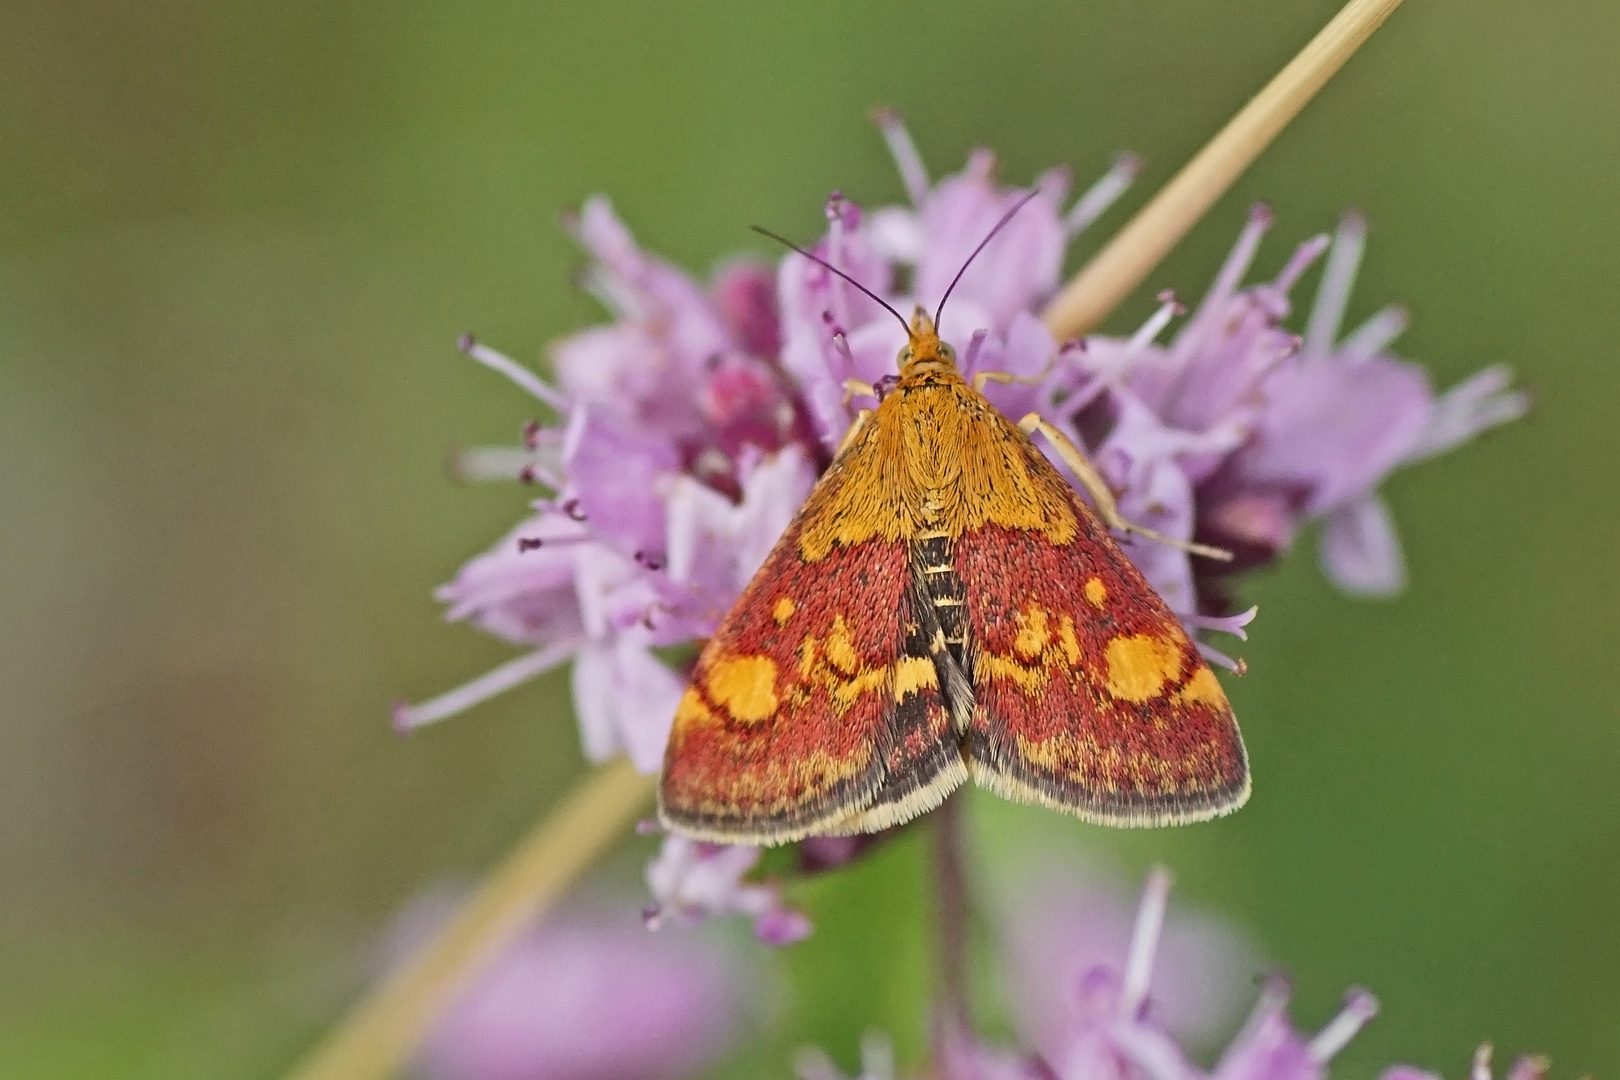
[[1089, 696], [816, 708]]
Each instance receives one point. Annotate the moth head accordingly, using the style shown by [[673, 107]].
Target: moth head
[[925, 345]]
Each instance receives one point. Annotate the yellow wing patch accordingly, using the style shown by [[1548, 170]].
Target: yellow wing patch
[[745, 686], [1096, 592], [1141, 665]]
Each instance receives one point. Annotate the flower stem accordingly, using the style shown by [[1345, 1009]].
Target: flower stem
[[1105, 281], [951, 914], [382, 1033]]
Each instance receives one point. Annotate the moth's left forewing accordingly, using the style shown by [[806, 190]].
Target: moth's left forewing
[[816, 707], [1090, 697]]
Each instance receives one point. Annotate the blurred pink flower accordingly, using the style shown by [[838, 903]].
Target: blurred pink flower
[[1529, 1067], [1314, 423], [1057, 927], [586, 998], [691, 880], [1114, 1029]]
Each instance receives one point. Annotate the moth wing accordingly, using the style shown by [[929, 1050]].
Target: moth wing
[[1089, 695], [816, 708]]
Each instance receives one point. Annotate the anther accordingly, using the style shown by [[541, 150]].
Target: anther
[[505, 365], [975, 343], [907, 161]]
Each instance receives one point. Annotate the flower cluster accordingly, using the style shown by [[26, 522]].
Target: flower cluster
[[689, 430], [1114, 1028], [1094, 990]]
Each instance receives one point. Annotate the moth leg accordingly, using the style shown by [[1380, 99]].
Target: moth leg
[[854, 388], [854, 429], [1097, 488], [984, 378]]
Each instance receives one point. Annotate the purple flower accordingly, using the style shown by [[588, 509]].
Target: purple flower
[[1529, 1067], [1116, 1033], [691, 880], [1314, 423], [680, 456], [1114, 1029], [1056, 928], [586, 998]]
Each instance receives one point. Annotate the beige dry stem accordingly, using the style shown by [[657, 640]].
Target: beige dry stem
[[384, 1031], [1120, 267]]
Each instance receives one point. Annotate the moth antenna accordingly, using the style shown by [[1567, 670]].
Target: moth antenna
[[991, 235], [823, 262]]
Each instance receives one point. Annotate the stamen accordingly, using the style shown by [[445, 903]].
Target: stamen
[[1169, 308], [1230, 277], [1101, 195], [1482, 1062], [1273, 999], [519, 374], [1359, 1007], [1226, 624], [1375, 335], [408, 718], [1215, 656], [614, 294], [1152, 1051], [526, 544], [483, 463], [1304, 255], [835, 245], [1144, 942], [1333, 294], [1480, 402], [841, 347], [1240, 259], [970, 358], [907, 161]]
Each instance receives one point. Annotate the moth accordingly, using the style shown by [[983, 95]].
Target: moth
[[946, 608]]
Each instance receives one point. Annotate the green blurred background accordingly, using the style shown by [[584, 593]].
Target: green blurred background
[[237, 244]]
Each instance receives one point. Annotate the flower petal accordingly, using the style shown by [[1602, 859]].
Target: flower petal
[[1361, 551]]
